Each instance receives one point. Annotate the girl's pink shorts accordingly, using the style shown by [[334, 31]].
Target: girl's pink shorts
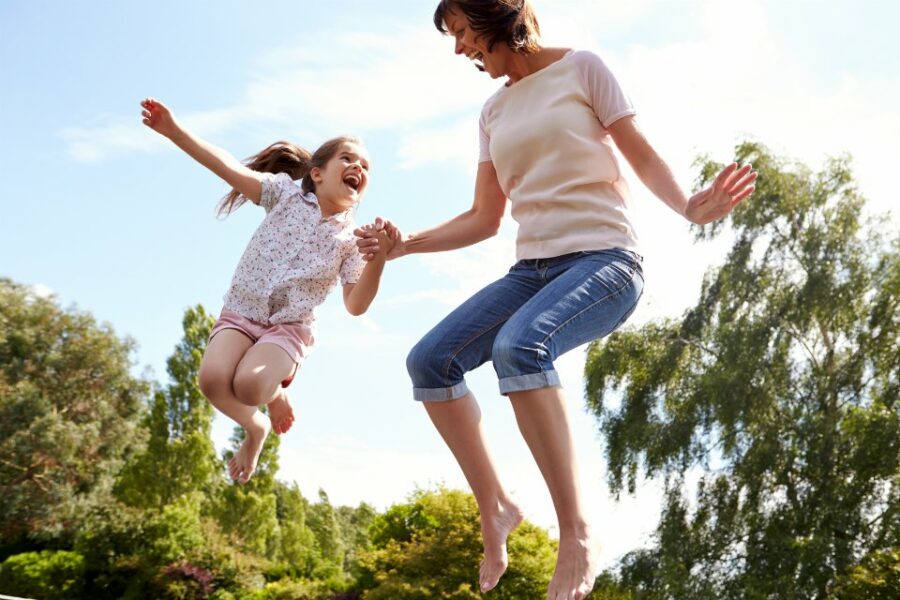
[[294, 338]]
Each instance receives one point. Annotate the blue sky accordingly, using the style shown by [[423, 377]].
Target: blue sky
[[107, 216]]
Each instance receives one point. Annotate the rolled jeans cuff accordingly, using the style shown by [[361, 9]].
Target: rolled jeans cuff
[[441, 394], [533, 381]]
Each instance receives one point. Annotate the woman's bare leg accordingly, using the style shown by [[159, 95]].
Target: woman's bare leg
[[543, 421], [459, 423]]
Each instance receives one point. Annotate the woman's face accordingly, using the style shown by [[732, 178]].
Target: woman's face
[[472, 45]]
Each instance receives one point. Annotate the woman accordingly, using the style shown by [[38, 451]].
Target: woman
[[546, 145]]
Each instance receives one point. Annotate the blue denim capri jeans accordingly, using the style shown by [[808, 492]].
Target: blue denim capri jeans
[[541, 309]]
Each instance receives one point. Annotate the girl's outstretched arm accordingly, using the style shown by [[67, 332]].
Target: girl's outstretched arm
[[160, 119]]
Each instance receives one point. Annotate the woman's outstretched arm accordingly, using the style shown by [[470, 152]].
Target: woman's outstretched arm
[[476, 224], [730, 187]]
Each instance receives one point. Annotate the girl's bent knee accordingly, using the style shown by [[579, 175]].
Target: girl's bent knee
[[251, 389], [213, 382]]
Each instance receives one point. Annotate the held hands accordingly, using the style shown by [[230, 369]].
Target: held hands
[[381, 238], [730, 187], [159, 118]]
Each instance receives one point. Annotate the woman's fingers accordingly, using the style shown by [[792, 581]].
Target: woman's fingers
[[743, 195], [740, 185], [723, 176]]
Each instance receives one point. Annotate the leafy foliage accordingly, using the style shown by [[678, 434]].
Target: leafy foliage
[[179, 424], [430, 547], [50, 575], [69, 408]]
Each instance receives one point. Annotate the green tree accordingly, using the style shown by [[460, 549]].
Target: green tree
[[250, 511], [298, 543], [49, 575], [430, 547], [323, 522], [781, 386], [179, 457], [354, 525], [69, 408], [876, 577]]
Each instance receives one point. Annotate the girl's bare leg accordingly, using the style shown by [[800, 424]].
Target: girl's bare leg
[[544, 423], [258, 381], [217, 371], [459, 423]]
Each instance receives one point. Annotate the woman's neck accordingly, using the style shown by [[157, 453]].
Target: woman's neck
[[520, 66]]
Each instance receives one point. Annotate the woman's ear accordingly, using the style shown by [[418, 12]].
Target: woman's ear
[[316, 174]]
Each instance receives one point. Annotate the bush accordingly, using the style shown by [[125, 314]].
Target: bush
[[48, 575]]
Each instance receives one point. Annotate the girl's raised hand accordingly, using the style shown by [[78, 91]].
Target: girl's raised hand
[[731, 186], [158, 117]]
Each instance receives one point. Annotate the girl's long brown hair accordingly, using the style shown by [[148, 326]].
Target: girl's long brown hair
[[285, 157]]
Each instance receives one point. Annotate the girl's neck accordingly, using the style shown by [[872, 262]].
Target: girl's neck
[[329, 207]]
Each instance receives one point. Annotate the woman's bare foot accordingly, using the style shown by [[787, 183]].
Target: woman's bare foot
[[576, 568], [243, 464], [495, 528], [280, 413]]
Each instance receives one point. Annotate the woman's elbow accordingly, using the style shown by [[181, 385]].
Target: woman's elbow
[[489, 226]]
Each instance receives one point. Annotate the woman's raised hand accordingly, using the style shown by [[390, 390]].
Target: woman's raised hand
[[369, 245], [730, 187], [158, 117]]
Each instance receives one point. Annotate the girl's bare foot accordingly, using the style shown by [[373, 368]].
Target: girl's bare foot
[[576, 568], [243, 464], [495, 528], [280, 413]]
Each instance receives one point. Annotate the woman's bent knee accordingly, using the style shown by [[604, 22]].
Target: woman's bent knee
[[519, 351], [417, 361]]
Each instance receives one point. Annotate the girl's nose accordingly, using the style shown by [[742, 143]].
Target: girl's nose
[[459, 47]]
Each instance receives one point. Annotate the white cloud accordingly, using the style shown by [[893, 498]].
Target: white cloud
[[457, 142], [472, 268], [40, 290], [577, 23], [442, 296], [364, 83]]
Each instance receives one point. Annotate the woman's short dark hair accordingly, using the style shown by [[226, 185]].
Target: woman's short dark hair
[[511, 22]]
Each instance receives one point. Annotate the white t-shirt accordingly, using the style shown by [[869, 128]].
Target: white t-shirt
[[547, 137]]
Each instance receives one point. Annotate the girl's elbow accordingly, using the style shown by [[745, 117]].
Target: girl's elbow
[[356, 309]]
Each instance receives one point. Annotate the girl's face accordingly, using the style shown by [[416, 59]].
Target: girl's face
[[344, 177], [474, 46]]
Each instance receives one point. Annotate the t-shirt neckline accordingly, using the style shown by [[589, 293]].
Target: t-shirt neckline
[[510, 85]]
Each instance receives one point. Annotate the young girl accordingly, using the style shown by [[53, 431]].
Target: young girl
[[303, 246]]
